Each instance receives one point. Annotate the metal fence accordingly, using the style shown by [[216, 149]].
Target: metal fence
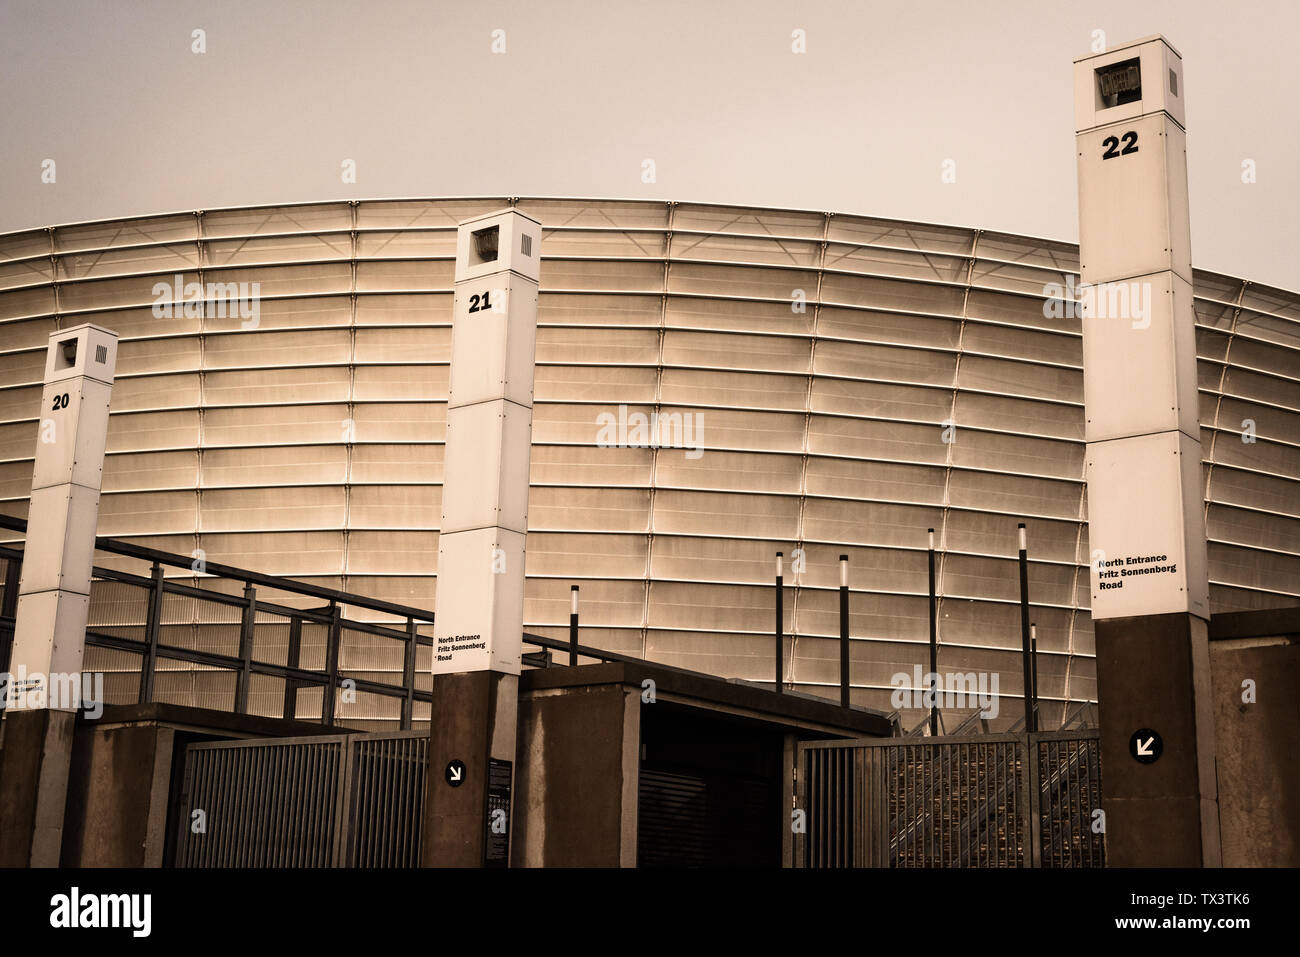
[[998, 800], [351, 800], [231, 639], [1069, 789]]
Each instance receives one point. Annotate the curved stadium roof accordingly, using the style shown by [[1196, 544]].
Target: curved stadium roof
[[823, 354]]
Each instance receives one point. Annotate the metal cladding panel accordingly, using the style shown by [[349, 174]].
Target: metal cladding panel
[[493, 340], [1132, 183], [61, 536], [821, 429], [472, 467], [485, 480], [1139, 360], [74, 425], [49, 635], [1197, 554], [480, 570], [1147, 551]]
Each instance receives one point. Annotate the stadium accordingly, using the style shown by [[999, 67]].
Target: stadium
[[840, 384]]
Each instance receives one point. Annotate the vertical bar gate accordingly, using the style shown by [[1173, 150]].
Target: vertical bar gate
[[353, 800], [960, 801]]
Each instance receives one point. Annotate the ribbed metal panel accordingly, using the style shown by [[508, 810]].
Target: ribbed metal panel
[[672, 820], [821, 354], [329, 801]]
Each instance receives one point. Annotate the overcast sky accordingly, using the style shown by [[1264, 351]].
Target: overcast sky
[[585, 92]]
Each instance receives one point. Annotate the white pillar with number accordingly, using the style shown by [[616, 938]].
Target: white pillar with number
[[1149, 569], [478, 623], [1146, 530], [54, 592]]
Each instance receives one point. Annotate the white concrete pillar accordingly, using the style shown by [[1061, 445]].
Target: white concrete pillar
[[54, 592], [1149, 570], [44, 688], [479, 614]]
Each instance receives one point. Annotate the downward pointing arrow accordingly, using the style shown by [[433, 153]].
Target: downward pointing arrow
[[1144, 747], [455, 772]]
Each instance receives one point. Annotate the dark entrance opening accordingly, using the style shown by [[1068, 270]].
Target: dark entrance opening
[[710, 790]]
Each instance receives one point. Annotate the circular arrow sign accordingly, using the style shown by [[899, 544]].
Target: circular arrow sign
[[1145, 746], [455, 773]]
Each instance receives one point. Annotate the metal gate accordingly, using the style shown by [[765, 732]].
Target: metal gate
[[353, 800], [998, 800]]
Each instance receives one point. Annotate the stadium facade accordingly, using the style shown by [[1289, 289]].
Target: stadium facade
[[842, 384]]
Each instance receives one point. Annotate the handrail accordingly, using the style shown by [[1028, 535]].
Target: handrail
[[14, 552], [975, 717], [1081, 714], [217, 570]]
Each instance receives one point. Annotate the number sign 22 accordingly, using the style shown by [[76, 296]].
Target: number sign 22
[[1112, 145]]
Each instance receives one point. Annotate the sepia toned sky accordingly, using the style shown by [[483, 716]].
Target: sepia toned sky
[[585, 92]]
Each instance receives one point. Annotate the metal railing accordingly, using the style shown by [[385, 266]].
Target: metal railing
[[354, 800], [260, 650], [233, 639], [1069, 777], [249, 642], [996, 800]]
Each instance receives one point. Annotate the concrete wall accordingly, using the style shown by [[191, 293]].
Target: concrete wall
[[117, 797], [33, 785], [1258, 744], [575, 801], [1150, 673], [120, 777]]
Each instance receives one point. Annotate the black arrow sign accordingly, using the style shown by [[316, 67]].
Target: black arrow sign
[[1146, 746], [455, 773]]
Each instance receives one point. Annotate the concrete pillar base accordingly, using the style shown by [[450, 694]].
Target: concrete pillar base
[[34, 768], [474, 719], [1153, 672]]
